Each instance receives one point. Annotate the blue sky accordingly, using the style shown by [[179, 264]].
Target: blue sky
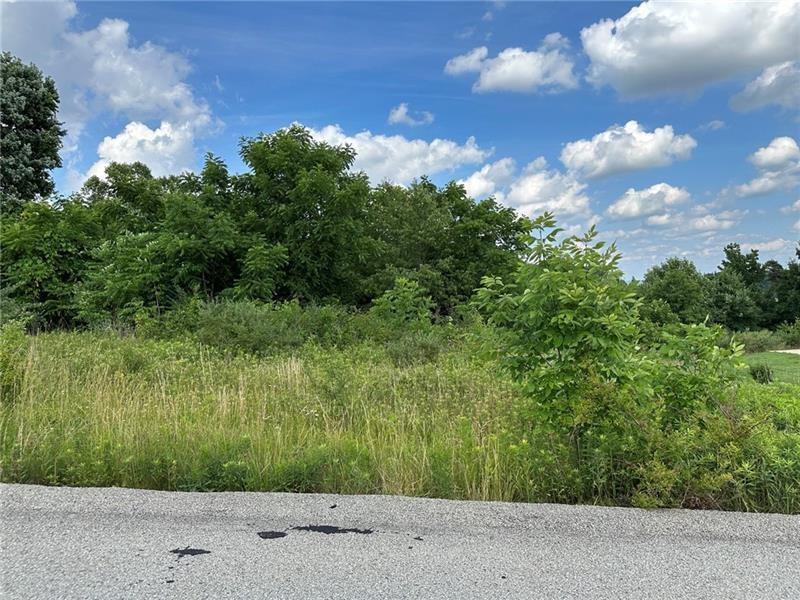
[[669, 125]]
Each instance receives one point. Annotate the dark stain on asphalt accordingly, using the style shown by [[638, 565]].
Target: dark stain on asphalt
[[170, 581], [271, 535], [333, 506], [331, 529], [181, 552]]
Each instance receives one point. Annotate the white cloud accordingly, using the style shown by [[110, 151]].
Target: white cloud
[[649, 201], [768, 246], [619, 149], [490, 179], [781, 153], [795, 207], [467, 63], [778, 165], [714, 125], [712, 222], [540, 189], [796, 226], [778, 84], [676, 46], [548, 68], [400, 115], [100, 71], [400, 160], [166, 150]]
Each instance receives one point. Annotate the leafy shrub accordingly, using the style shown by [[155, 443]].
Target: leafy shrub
[[405, 304], [761, 373]]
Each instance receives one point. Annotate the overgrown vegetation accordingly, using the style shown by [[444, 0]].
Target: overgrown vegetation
[[292, 328]]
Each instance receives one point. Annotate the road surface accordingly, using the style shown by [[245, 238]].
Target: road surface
[[117, 543]]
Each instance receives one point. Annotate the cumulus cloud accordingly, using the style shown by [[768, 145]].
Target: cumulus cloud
[[400, 115], [676, 46], [540, 189], [796, 226], [548, 68], [490, 179], [467, 63], [533, 190], [167, 149], [620, 149], [100, 71], [400, 160], [778, 84], [712, 222], [649, 201], [779, 168]]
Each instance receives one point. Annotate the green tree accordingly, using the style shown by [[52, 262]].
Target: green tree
[[304, 198], [731, 303], [47, 250], [679, 284], [30, 133]]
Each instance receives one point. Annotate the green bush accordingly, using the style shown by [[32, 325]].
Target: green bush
[[760, 340], [790, 334], [404, 305], [761, 373]]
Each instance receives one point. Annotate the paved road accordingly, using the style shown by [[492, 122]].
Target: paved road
[[115, 543]]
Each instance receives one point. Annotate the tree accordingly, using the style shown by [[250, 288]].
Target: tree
[[30, 133], [747, 266], [303, 197], [731, 303], [679, 284]]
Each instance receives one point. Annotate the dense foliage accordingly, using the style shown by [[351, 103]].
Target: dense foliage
[[30, 133], [298, 226]]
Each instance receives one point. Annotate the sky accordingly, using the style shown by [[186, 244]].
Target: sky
[[672, 127]]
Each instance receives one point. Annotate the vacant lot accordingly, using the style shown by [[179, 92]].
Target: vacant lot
[[99, 409]]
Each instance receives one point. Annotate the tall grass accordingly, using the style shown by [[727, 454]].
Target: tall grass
[[97, 409], [100, 409]]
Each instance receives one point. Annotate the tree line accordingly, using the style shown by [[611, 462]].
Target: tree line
[[297, 225]]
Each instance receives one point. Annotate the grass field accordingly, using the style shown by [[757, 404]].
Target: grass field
[[99, 409], [785, 367]]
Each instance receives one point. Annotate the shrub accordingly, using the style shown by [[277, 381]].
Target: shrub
[[759, 340], [761, 373], [790, 334], [403, 305]]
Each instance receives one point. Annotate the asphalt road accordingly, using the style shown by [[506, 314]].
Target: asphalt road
[[116, 543]]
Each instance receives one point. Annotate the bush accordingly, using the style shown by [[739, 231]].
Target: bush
[[790, 334], [761, 373], [760, 340], [404, 305]]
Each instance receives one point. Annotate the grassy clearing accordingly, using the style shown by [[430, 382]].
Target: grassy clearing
[[99, 409], [785, 367]]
